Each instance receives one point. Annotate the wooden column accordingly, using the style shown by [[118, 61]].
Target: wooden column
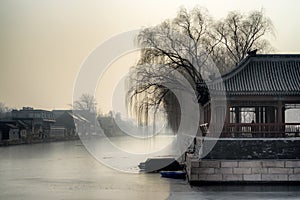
[[227, 118], [279, 112], [279, 115]]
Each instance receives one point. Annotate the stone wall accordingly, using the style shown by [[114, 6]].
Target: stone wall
[[242, 170], [254, 148]]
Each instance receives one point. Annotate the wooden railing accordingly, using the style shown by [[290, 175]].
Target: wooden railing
[[254, 130]]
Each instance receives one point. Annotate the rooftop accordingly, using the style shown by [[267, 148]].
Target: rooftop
[[263, 74]]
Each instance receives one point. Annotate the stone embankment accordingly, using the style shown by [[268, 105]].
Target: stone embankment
[[242, 170]]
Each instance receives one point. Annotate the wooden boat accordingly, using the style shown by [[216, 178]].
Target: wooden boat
[[173, 174]]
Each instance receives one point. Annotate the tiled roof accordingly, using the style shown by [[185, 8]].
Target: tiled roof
[[267, 74]]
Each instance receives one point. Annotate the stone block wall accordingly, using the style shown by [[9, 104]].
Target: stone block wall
[[242, 170]]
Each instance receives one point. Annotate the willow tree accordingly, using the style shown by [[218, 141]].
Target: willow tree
[[187, 44]]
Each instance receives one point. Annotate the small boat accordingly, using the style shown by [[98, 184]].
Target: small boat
[[173, 174], [160, 164]]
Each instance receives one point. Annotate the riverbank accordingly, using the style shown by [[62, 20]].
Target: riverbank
[[4, 143]]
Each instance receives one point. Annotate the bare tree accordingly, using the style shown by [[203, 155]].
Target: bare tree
[[86, 103], [239, 35], [185, 44]]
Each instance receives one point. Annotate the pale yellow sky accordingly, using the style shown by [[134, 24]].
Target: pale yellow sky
[[43, 43]]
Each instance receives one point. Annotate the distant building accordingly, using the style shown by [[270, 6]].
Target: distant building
[[64, 125], [72, 123], [39, 121], [9, 131], [30, 125]]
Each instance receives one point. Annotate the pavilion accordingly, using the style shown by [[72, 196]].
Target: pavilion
[[263, 97], [251, 124]]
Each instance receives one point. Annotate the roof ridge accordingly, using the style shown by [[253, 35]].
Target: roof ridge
[[245, 61], [264, 74], [237, 68], [276, 55]]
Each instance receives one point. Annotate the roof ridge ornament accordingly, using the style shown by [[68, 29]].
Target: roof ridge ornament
[[252, 53]]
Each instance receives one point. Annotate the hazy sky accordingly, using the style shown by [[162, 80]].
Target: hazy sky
[[43, 43]]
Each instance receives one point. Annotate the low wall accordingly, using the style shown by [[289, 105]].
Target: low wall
[[253, 148], [242, 170]]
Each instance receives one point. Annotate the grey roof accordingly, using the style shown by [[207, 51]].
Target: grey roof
[[267, 74], [58, 113]]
